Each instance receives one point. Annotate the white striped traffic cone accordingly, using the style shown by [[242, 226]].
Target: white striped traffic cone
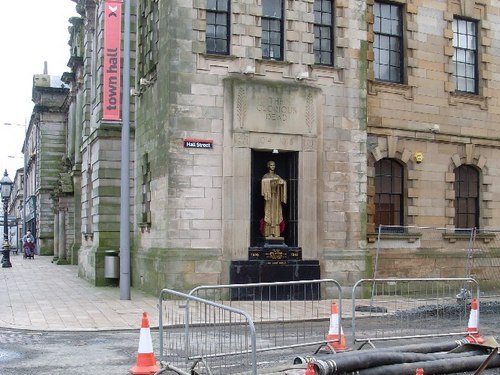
[[145, 362], [335, 343], [473, 327]]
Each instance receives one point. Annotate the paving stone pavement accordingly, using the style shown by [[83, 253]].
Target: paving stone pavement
[[40, 295]]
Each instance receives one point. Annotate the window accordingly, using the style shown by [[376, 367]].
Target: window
[[323, 32], [148, 37], [146, 191], [466, 197], [218, 22], [388, 42], [272, 29], [389, 180], [465, 56]]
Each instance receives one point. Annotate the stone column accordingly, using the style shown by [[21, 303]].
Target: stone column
[[56, 237], [62, 238]]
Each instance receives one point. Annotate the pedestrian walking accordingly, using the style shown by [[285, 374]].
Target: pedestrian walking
[[29, 245]]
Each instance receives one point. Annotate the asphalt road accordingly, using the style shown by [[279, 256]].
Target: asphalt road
[[75, 353], [107, 353]]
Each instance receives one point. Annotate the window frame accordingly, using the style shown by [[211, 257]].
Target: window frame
[[219, 13], [321, 28], [396, 217], [462, 182], [148, 35], [392, 36], [457, 47], [275, 19]]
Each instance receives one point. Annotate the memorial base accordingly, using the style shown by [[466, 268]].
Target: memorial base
[[264, 271], [274, 249]]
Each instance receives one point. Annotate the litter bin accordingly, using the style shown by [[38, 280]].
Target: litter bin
[[111, 264]]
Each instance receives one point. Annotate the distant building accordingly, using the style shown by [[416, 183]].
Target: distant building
[[44, 149], [16, 210]]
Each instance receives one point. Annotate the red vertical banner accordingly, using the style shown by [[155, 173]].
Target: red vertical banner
[[112, 56]]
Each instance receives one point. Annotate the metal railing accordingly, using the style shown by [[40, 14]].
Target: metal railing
[[201, 336], [227, 329], [441, 252], [403, 308], [298, 310]]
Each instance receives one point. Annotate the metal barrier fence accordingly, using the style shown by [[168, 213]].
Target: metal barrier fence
[[226, 329], [484, 261], [416, 251], [403, 308], [199, 336]]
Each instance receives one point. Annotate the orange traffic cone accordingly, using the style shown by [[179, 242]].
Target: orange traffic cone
[[335, 343], [419, 371], [146, 362], [310, 368], [473, 327]]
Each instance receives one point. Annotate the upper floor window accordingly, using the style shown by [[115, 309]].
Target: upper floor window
[[465, 55], [466, 197], [388, 42], [218, 27], [389, 187], [148, 37], [272, 29], [323, 32]]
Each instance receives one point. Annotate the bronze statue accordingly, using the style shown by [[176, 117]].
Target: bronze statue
[[273, 189]]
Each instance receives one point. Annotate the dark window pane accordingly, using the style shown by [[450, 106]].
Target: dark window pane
[[223, 5], [465, 56], [466, 197], [272, 29], [212, 4], [218, 21], [388, 42], [271, 8], [323, 26], [388, 192]]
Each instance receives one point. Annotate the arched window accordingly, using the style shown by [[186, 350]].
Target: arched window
[[466, 197], [389, 187]]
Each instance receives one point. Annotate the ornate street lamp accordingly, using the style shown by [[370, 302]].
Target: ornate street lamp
[[6, 189]]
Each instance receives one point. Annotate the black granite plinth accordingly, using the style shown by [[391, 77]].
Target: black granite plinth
[[262, 271], [272, 253]]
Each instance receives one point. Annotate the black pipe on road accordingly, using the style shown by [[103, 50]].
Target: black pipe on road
[[445, 346], [440, 366], [339, 364]]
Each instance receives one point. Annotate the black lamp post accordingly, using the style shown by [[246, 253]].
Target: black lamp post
[[6, 189]]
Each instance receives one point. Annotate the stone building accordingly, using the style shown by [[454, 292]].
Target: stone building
[[219, 90], [259, 81], [433, 149], [93, 147], [43, 149], [16, 210], [375, 113]]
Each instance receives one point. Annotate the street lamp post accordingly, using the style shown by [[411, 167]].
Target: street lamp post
[[6, 189]]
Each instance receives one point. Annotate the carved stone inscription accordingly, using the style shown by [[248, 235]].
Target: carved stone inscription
[[275, 108]]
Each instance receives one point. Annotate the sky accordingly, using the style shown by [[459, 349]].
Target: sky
[[31, 32]]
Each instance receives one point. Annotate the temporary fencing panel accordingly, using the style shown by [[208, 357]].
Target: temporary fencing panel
[[400, 308], [416, 251], [214, 327], [206, 336], [484, 260], [297, 320]]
